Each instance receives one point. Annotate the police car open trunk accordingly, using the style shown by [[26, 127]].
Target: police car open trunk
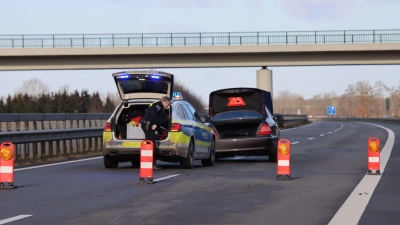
[[239, 112], [138, 90], [128, 126]]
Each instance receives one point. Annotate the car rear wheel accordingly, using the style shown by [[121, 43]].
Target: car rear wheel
[[110, 162], [211, 158], [188, 162]]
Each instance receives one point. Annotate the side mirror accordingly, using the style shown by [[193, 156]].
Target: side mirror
[[275, 119], [207, 119]]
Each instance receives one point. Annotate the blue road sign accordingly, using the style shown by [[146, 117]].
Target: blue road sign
[[331, 110]]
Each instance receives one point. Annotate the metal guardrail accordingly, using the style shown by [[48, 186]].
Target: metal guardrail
[[198, 39], [289, 120], [66, 133]]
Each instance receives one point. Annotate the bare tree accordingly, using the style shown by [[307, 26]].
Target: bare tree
[[114, 97], [33, 87]]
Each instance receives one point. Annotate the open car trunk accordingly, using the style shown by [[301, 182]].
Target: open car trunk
[[237, 129], [237, 112], [128, 126], [234, 99], [237, 123]]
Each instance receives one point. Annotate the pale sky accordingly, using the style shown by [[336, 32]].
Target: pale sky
[[166, 16]]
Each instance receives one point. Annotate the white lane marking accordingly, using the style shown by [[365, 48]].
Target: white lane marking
[[298, 127], [322, 135], [329, 132], [311, 138], [56, 164], [13, 219], [293, 143], [334, 130], [352, 209], [166, 177]]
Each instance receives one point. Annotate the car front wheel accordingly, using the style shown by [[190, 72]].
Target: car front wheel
[[188, 162], [211, 158]]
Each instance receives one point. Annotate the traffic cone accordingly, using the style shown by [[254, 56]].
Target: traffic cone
[[146, 162], [7, 165]]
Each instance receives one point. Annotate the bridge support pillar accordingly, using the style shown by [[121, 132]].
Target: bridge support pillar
[[264, 79]]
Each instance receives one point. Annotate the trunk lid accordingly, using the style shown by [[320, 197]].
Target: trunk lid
[[237, 99], [140, 84]]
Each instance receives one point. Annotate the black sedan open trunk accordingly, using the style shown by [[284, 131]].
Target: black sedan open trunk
[[237, 129]]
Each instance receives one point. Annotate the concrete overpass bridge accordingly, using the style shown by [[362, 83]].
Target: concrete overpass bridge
[[196, 50]]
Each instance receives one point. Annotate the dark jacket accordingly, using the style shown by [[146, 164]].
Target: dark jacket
[[155, 114]]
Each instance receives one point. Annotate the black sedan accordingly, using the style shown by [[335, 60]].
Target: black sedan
[[243, 122]]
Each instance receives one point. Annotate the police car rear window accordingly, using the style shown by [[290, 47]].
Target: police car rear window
[[149, 86]]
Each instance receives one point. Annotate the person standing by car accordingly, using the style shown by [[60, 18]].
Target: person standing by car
[[152, 120]]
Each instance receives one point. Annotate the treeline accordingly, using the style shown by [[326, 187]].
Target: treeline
[[60, 102], [194, 99], [359, 100], [34, 97]]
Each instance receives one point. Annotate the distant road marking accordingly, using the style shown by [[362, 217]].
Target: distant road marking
[[329, 132], [335, 130], [166, 177], [322, 135], [293, 143], [353, 208], [13, 219], [56, 164], [311, 138]]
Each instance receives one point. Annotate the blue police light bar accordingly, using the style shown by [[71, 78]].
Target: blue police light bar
[[177, 95], [155, 77], [123, 76]]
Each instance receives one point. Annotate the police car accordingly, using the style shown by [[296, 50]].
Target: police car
[[183, 139]]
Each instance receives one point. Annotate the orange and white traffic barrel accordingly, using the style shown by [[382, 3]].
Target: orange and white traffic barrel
[[374, 156], [7, 165], [146, 161], [283, 160]]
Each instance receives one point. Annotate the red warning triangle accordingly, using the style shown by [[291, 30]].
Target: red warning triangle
[[236, 101]]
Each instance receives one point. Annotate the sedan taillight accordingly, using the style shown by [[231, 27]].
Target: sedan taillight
[[107, 127], [215, 133], [176, 127], [265, 129]]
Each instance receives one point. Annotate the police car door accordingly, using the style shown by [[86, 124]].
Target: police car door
[[202, 137], [189, 115]]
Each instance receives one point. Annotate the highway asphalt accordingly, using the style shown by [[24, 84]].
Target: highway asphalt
[[328, 161]]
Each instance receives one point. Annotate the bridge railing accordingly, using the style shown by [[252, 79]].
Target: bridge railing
[[42, 135], [198, 39]]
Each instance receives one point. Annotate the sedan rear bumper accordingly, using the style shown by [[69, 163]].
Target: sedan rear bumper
[[260, 145]]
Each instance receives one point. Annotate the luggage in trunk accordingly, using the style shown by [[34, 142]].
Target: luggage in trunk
[[128, 125]]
